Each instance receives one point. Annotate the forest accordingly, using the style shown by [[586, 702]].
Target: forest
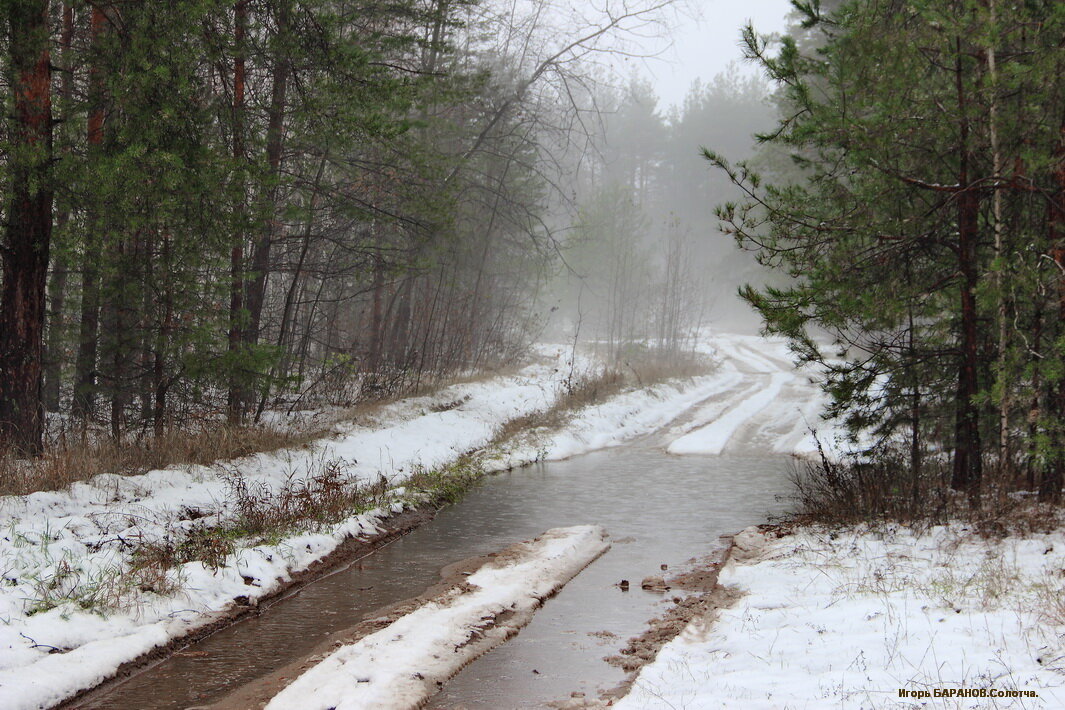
[[496, 354], [913, 194], [215, 208], [218, 209]]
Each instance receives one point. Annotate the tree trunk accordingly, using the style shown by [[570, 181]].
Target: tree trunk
[[237, 396], [160, 383], [1054, 474], [373, 357], [85, 374], [968, 464], [915, 392], [53, 375], [1032, 465], [57, 286], [29, 227], [118, 325], [1004, 463], [398, 342], [260, 261]]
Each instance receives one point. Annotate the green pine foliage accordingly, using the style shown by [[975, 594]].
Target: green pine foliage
[[903, 123], [271, 203]]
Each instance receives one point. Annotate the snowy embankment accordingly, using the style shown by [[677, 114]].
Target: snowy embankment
[[73, 614], [71, 618], [406, 662], [880, 618]]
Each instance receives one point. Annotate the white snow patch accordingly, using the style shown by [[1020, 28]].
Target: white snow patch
[[848, 619], [712, 438]]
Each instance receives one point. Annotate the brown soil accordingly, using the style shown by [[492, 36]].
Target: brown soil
[[348, 551]]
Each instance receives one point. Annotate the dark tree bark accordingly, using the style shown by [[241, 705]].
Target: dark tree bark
[[237, 395], [260, 260], [119, 319], [1054, 474], [373, 356], [84, 403], [160, 382], [398, 340], [29, 227], [57, 285], [968, 463], [85, 374]]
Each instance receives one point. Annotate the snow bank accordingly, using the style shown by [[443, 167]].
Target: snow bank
[[74, 544], [849, 619], [405, 663]]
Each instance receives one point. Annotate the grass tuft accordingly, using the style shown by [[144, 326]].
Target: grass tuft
[[78, 460]]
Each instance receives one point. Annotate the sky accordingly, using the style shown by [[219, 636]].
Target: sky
[[704, 46]]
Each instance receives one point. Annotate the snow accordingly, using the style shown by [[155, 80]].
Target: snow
[[848, 618], [712, 438], [630, 415], [74, 544], [403, 664]]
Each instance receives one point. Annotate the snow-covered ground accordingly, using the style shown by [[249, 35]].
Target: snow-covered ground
[[72, 546], [754, 402], [770, 405], [874, 618], [403, 664]]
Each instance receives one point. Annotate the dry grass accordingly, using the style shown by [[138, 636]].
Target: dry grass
[[325, 495], [841, 493], [577, 392], [447, 484], [885, 490], [651, 368], [77, 460], [1049, 600]]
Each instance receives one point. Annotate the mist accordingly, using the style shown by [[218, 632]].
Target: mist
[[643, 260]]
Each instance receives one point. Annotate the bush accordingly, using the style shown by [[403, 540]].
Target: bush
[[863, 489]]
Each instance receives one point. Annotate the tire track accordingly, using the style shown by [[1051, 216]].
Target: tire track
[[771, 408]]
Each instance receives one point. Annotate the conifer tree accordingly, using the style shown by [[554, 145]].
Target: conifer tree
[[891, 232]]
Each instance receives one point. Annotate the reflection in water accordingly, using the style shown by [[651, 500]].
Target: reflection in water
[[658, 509]]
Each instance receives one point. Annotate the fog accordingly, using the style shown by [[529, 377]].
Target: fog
[[363, 201], [642, 261]]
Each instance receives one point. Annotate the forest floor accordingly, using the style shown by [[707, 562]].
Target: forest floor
[[116, 569], [108, 572]]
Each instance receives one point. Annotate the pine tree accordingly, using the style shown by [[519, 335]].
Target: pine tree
[[28, 218], [889, 232]]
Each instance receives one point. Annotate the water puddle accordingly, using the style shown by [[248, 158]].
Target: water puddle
[[659, 509]]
